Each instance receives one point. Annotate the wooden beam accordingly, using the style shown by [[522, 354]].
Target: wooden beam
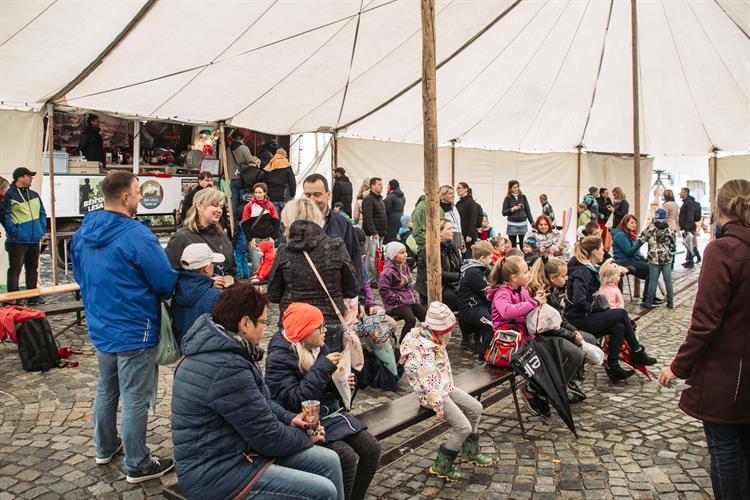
[[453, 163], [136, 146], [429, 111], [713, 175], [227, 182], [52, 220], [636, 124], [578, 177]]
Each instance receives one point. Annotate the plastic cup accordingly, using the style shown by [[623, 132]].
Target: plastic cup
[[311, 413]]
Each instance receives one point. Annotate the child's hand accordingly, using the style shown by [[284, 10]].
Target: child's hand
[[334, 357], [541, 297], [352, 381], [219, 282], [440, 415], [579, 339]]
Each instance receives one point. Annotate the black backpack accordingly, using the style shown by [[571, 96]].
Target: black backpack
[[480, 216], [697, 211], [36, 346], [250, 175]]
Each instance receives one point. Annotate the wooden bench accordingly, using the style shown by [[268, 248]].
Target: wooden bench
[[74, 306], [390, 418]]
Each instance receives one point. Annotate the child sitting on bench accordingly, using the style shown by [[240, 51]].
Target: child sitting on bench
[[428, 370]]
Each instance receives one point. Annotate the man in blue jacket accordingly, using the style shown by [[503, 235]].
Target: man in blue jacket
[[25, 223], [123, 273]]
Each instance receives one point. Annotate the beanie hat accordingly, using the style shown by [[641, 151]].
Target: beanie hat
[[300, 320], [405, 219], [392, 249], [439, 318], [661, 214], [531, 241], [593, 189]]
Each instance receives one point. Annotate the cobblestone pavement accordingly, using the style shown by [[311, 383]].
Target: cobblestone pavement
[[634, 441]]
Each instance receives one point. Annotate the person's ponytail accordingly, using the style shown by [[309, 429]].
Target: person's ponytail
[[733, 201]]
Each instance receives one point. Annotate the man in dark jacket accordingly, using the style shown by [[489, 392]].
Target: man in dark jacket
[[342, 190], [92, 144], [25, 222], [686, 221], [374, 226], [394, 208], [124, 274]]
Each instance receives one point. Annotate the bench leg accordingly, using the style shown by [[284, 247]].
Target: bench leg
[[78, 318], [515, 402]]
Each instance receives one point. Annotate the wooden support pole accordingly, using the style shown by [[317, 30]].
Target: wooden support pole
[[636, 124], [227, 182], [713, 176], [453, 163], [578, 177], [429, 111], [52, 221], [136, 147]]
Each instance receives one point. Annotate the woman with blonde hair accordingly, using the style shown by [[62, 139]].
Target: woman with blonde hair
[[202, 225], [309, 250], [299, 368], [364, 191], [718, 342], [621, 206]]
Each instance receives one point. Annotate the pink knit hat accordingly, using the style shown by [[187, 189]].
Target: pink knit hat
[[439, 318]]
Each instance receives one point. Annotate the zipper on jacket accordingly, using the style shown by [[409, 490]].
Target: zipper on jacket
[[739, 378]]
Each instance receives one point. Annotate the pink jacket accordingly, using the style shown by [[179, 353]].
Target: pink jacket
[[510, 306], [613, 295]]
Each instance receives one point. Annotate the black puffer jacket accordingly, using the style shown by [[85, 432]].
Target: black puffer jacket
[[450, 263], [468, 209], [92, 145], [292, 279], [686, 219], [342, 193], [373, 215], [394, 210], [282, 185], [583, 282]]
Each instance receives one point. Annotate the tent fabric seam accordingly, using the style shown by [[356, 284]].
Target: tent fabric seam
[[598, 74], [351, 62]]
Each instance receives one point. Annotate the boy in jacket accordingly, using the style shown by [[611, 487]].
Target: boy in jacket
[[473, 306], [661, 242]]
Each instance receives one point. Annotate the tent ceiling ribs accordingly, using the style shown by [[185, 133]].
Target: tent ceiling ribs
[[351, 62], [733, 20], [19, 30], [107, 50], [463, 47]]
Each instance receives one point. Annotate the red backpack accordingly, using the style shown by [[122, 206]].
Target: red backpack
[[12, 315], [505, 342]]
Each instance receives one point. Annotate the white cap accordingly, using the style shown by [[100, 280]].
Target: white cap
[[199, 255]]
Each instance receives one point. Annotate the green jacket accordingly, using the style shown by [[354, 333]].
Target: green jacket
[[419, 222]]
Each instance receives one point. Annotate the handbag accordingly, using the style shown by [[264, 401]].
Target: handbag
[[167, 350], [351, 340], [599, 304], [505, 343]]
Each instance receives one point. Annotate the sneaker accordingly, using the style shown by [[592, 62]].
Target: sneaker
[[687, 265], [157, 468], [670, 305], [646, 305], [575, 389], [36, 301], [642, 358], [657, 300], [108, 459], [617, 373], [537, 405]]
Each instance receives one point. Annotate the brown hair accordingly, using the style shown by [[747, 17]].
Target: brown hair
[[512, 183], [668, 195], [205, 175], [586, 246], [115, 184], [733, 201], [543, 269], [515, 252], [236, 302], [261, 185], [623, 225], [546, 219], [4, 182], [619, 192], [504, 269], [590, 228], [482, 249]]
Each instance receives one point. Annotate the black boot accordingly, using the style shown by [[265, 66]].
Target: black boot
[[641, 358], [616, 373]]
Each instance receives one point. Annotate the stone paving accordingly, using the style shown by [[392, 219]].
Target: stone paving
[[633, 440]]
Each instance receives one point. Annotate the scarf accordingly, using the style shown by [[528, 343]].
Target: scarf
[[254, 353], [278, 161]]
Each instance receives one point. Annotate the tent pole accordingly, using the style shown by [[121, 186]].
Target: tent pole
[[429, 110], [636, 124], [578, 176], [453, 162], [334, 143], [713, 176], [53, 222], [227, 182], [136, 147]]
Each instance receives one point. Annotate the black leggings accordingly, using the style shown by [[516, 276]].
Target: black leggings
[[513, 237], [612, 322], [359, 456], [410, 315]]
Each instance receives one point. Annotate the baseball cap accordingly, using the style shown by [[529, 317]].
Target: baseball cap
[[21, 171], [660, 214], [199, 255]]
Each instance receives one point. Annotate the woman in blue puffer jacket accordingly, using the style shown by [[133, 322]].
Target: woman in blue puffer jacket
[[230, 437]]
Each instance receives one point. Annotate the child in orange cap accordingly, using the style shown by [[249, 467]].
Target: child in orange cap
[[428, 370]]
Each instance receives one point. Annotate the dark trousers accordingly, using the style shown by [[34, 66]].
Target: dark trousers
[[476, 322], [516, 240], [22, 255], [410, 315], [612, 322], [729, 447], [359, 456]]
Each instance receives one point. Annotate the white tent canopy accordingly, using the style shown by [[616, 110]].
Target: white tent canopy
[[527, 75]]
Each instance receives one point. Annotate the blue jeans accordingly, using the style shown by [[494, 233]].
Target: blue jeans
[[729, 447], [130, 376], [653, 280], [279, 205], [314, 473]]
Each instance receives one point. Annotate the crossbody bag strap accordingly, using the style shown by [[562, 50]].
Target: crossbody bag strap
[[325, 288]]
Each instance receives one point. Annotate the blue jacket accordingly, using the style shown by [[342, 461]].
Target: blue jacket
[[472, 286], [338, 226], [222, 410], [583, 282], [289, 386], [194, 295], [123, 273], [625, 248], [24, 218]]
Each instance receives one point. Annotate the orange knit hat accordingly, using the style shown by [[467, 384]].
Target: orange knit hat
[[300, 320]]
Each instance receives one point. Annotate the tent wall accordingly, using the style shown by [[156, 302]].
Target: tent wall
[[732, 167], [488, 173], [21, 137]]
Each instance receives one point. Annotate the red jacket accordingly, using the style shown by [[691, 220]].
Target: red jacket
[[268, 256], [715, 356]]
